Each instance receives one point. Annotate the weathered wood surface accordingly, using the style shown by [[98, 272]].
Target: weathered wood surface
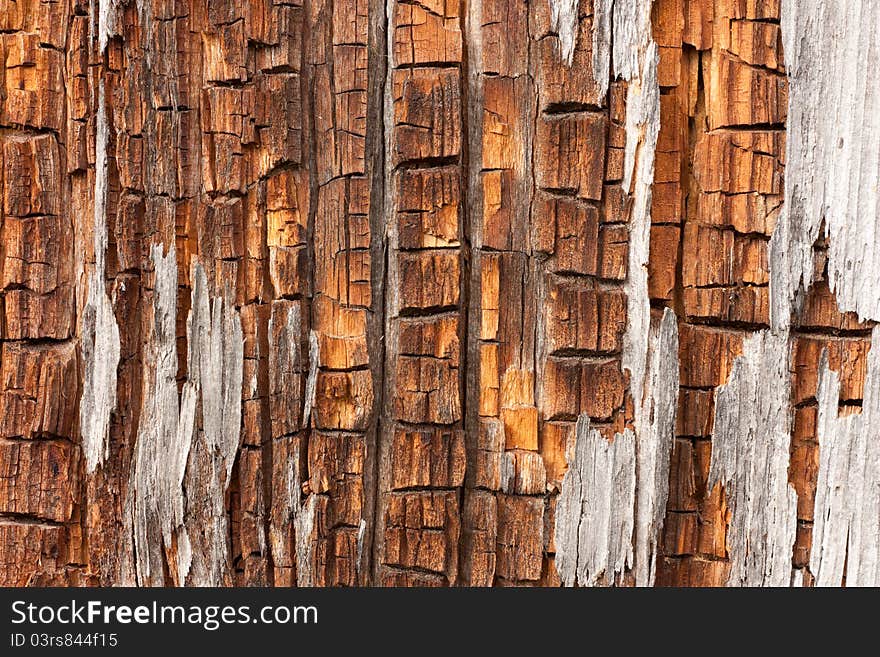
[[558, 292]]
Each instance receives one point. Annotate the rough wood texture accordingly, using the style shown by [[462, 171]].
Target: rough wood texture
[[565, 292]]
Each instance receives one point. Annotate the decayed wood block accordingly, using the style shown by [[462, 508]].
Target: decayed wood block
[[570, 232], [573, 386], [33, 86], [427, 34], [432, 458], [422, 530], [846, 356], [32, 554], [343, 400], [39, 478], [570, 154], [38, 397], [248, 525], [428, 371], [744, 83], [428, 208], [427, 114], [584, 319], [737, 162], [520, 538]]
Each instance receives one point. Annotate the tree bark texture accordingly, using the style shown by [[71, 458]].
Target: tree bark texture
[[439, 292]]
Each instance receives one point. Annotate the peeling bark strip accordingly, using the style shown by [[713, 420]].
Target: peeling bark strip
[[833, 156], [635, 60], [610, 511], [155, 504], [187, 445], [214, 382], [100, 334], [655, 431], [564, 21], [750, 452], [846, 534], [594, 514]]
